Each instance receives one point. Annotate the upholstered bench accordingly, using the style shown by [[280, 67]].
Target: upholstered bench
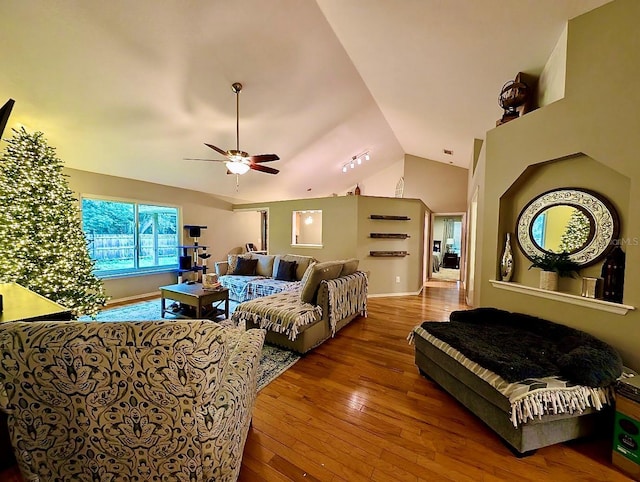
[[530, 405]]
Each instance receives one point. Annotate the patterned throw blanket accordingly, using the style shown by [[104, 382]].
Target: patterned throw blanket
[[283, 313], [244, 288], [347, 296], [531, 397]]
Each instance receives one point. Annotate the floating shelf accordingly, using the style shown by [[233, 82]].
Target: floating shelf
[[389, 235], [390, 218], [608, 306], [388, 254]]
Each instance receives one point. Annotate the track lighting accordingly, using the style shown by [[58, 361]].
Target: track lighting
[[356, 160]]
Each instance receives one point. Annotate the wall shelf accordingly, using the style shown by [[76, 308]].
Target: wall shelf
[[388, 254], [385, 217], [608, 306], [389, 235]]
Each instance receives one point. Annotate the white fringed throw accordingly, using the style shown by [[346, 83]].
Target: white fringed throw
[[534, 397]]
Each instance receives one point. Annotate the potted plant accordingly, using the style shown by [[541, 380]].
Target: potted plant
[[554, 265]]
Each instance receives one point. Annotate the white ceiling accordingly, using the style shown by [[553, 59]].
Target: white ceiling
[[130, 88]]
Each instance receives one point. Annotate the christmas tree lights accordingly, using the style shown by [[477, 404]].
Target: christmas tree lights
[[42, 245]]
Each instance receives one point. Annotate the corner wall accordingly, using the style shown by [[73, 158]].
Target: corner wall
[[598, 122]]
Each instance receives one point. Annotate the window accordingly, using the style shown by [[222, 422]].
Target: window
[[129, 237], [307, 228]]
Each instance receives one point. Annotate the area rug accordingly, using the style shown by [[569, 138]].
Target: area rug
[[446, 274], [273, 362]]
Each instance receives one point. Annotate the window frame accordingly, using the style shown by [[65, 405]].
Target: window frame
[[136, 270]]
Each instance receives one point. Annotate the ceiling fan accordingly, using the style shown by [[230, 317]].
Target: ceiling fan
[[237, 161]]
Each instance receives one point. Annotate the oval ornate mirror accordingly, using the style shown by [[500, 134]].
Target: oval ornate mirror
[[577, 221]]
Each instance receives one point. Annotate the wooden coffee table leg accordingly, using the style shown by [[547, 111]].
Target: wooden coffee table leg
[[226, 308], [199, 309], [162, 306]]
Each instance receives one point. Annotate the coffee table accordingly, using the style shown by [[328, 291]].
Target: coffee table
[[194, 295]]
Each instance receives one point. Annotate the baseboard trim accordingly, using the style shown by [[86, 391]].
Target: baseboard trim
[[133, 298], [385, 295]]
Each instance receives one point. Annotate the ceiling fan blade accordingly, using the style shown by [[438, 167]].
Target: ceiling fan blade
[[198, 159], [264, 158], [217, 149], [267, 169]]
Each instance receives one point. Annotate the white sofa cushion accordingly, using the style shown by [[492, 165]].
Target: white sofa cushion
[[265, 264]]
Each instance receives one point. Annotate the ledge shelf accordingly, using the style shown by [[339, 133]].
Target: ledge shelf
[[390, 218], [389, 235], [388, 254], [608, 306]]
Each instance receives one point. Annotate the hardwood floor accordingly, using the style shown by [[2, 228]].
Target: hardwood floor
[[356, 408]]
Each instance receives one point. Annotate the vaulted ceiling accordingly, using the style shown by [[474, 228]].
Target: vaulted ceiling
[[130, 88]]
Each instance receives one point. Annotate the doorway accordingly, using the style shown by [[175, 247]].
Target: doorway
[[447, 247]]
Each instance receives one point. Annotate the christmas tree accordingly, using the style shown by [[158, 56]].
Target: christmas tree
[[576, 232], [42, 246]]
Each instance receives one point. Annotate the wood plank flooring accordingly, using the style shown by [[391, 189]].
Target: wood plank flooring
[[356, 409]]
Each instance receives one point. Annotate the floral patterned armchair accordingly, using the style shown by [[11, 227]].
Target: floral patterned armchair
[[128, 401]]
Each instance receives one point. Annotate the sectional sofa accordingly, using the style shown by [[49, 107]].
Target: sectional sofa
[[328, 297], [250, 275]]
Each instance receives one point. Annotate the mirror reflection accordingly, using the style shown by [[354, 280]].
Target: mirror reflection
[[561, 228]]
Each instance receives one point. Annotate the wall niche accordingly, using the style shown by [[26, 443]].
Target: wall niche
[[576, 171]]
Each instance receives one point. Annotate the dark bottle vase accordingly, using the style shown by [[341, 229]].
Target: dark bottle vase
[[613, 275]]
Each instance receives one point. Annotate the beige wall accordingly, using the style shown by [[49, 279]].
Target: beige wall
[[346, 234], [596, 127], [225, 229], [384, 272], [553, 76], [442, 187], [383, 183]]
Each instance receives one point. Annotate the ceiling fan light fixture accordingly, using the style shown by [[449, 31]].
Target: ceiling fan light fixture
[[237, 167]]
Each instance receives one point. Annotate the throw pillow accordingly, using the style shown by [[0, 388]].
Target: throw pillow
[[350, 266], [314, 275], [246, 267], [286, 270], [303, 263], [232, 261]]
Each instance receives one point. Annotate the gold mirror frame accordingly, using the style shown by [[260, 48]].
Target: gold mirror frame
[[605, 226]]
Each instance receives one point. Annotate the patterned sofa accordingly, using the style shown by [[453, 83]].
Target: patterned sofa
[[162, 400], [263, 281], [330, 295]]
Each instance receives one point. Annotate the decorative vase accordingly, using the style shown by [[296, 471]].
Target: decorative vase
[[549, 280], [506, 262], [613, 275]]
